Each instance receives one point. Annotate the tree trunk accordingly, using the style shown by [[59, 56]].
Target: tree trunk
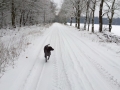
[[78, 20], [93, 21], [2, 16], [71, 21], [111, 19], [26, 17], [21, 19], [13, 14], [100, 16], [89, 20], [44, 17], [93, 14], [86, 15], [78, 16], [110, 25]]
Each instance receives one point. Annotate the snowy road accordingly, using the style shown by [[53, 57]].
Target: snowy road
[[75, 64]]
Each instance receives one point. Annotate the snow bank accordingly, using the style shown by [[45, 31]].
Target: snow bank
[[13, 42], [110, 40]]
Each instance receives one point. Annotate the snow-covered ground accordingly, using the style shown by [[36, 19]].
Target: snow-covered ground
[[115, 28], [79, 62], [13, 42]]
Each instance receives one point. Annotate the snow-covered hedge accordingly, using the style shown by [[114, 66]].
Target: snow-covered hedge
[[108, 37]]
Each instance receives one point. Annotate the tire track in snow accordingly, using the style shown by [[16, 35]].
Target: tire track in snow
[[26, 85], [83, 52], [72, 61], [42, 74], [84, 76], [53, 68], [43, 68], [75, 73], [80, 68], [62, 79], [106, 74], [71, 68], [24, 76], [59, 78], [95, 50]]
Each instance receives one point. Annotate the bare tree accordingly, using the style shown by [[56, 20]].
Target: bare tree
[[25, 12], [89, 19], [80, 7], [87, 12], [101, 15], [75, 8], [112, 6], [66, 12], [4, 10], [93, 8], [13, 9]]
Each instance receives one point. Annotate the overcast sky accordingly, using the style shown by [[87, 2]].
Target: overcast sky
[[58, 2]]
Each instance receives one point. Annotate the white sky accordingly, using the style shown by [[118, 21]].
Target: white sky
[[58, 2]]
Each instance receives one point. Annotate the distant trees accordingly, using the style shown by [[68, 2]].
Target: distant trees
[[87, 13], [72, 9], [66, 11], [87, 9], [81, 4], [93, 8], [4, 10], [26, 12]]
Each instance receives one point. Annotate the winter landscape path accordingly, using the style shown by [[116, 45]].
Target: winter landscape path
[[75, 64]]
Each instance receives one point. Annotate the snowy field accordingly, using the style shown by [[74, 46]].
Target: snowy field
[[80, 61], [115, 28]]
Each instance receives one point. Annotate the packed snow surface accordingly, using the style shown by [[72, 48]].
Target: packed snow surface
[[77, 63]]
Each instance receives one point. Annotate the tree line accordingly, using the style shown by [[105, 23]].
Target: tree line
[[26, 12], [116, 21], [75, 9]]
